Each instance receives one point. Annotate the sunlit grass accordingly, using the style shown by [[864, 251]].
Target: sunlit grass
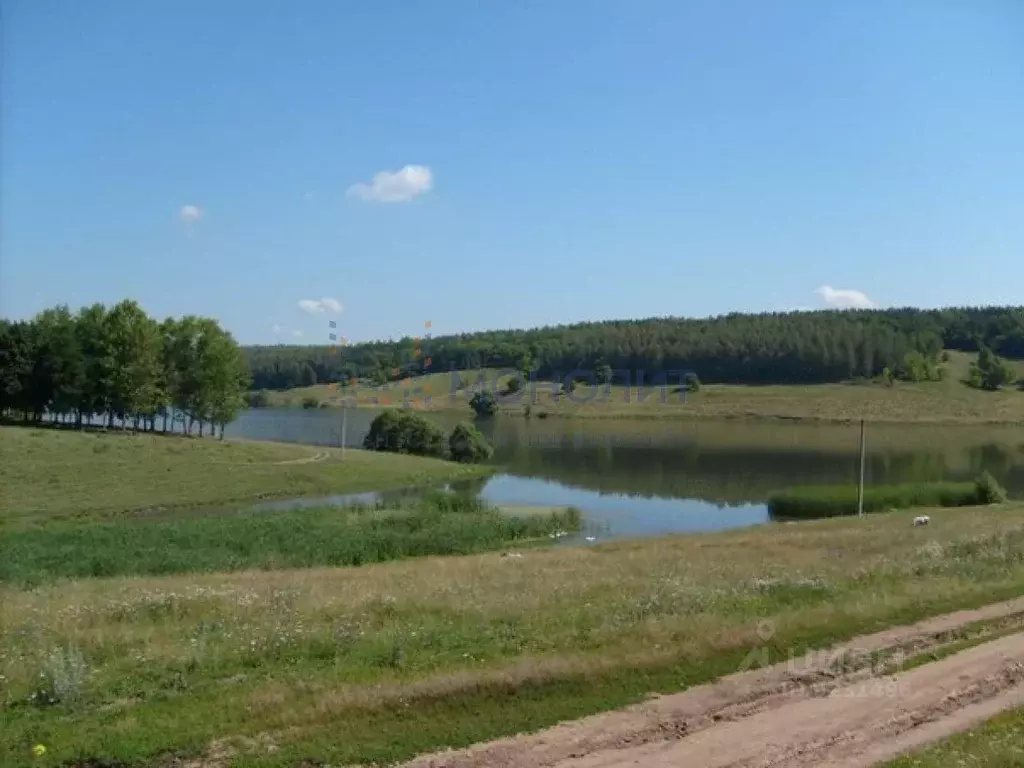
[[49, 474], [939, 402], [999, 743], [350, 665]]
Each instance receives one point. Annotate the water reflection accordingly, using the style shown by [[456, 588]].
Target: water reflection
[[635, 478]]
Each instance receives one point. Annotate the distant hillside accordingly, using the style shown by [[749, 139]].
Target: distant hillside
[[768, 348]]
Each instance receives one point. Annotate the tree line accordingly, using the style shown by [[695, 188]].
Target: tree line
[[767, 348], [119, 363]]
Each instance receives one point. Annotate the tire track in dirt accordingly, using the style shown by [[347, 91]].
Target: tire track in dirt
[[790, 715]]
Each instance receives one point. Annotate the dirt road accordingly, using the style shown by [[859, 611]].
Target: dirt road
[[841, 708]]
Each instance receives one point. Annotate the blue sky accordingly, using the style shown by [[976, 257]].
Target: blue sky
[[550, 161]]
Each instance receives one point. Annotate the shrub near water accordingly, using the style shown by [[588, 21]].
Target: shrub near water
[[829, 501], [467, 444], [401, 431], [443, 524]]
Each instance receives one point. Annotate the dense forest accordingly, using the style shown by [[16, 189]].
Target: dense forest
[[119, 363], [775, 348]]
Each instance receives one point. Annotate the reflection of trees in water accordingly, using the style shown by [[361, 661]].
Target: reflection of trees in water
[[666, 464], [735, 476]]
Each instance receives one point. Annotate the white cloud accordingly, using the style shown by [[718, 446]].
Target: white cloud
[[276, 330], [297, 334], [845, 298], [395, 187], [319, 306], [190, 213]]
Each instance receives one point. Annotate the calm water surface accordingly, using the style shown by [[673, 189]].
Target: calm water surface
[[639, 478]]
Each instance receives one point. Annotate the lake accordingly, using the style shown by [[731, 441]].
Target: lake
[[642, 478]]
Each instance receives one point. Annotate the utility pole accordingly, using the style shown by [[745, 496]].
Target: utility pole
[[860, 488], [333, 337], [344, 427]]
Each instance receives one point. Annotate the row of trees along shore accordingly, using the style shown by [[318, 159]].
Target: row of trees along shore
[[769, 348], [119, 363]]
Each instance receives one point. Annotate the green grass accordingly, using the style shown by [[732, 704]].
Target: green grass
[[441, 524], [55, 475], [381, 662], [828, 501], [999, 743], [939, 402]]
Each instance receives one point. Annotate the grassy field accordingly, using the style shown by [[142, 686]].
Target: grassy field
[[999, 743], [440, 524], [377, 663], [948, 401], [50, 475], [431, 392]]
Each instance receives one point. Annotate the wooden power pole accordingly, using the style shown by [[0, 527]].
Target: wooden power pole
[[860, 487]]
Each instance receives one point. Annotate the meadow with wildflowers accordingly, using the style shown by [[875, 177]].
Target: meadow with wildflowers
[[357, 665]]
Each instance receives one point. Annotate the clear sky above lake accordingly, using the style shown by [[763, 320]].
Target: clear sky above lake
[[508, 164]]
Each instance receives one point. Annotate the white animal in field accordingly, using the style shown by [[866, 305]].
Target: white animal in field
[[922, 520]]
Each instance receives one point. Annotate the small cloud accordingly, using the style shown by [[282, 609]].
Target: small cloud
[[276, 330], [309, 195], [319, 306], [395, 187], [297, 334], [189, 214], [845, 298]]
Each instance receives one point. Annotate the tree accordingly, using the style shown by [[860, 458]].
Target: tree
[[483, 403], [467, 444], [16, 355], [259, 399], [180, 362], [914, 367], [514, 385], [122, 364], [990, 371], [402, 431], [136, 344], [98, 353], [691, 382], [223, 377], [60, 365], [988, 489], [307, 376], [603, 373]]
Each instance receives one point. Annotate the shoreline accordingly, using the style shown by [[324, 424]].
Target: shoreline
[[676, 415]]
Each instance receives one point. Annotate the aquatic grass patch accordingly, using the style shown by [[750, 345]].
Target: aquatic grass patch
[[440, 524], [832, 501]]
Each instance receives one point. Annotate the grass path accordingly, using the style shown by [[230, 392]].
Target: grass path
[[316, 457]]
